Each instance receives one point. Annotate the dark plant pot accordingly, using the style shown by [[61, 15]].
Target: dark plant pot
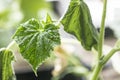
[[42, 75], [72, 77], [45, 75]]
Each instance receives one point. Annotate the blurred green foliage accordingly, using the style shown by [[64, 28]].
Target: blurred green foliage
[[14, 12], [30, 8]]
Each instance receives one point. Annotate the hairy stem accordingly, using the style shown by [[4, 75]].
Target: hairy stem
[[96, 71], [99, 65], [11, 44], [109, 55], [102, 30]]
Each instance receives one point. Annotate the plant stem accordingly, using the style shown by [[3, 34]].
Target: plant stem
[[109, 55], [11, 44], [96, 71], [102, 30], [99, 65]]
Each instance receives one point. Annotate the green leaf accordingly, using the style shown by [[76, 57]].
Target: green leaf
[[77, 21], [6, 71], [36, 41], [48, 19]]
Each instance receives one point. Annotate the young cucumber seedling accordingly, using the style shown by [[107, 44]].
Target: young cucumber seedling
[[37, 40]]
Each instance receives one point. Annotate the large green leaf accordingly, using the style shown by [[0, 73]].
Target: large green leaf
[[77, 21], [36, 41], [6, 71]]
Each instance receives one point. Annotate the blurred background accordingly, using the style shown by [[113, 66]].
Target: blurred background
[[14, 12]]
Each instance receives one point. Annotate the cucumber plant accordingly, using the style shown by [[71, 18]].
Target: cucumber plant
[[37, 39]]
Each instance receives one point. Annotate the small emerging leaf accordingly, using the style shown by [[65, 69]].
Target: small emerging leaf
[[36, 41], [48, 19], [6, 71], [77, 21]]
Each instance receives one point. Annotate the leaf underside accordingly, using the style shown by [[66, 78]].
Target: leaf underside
[[77, 21], [6, 71], [36, 41]]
